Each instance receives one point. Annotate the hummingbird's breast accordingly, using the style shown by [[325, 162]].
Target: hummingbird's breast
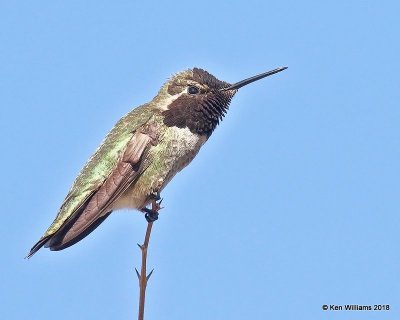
[[175, 149]]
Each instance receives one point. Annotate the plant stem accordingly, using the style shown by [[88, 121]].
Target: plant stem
[[143, 276]]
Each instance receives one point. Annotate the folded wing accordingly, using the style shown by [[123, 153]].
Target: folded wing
[[96, 207]]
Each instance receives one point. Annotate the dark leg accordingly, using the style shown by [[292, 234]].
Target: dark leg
[[151, 215], [155, 195]]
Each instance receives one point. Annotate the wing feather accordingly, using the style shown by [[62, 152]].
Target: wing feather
[[119, 180]]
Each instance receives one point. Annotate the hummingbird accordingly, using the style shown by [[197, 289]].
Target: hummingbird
[[142, 153]]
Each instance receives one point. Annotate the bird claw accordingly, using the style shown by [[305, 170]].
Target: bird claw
[[150, 215], [156, 205]]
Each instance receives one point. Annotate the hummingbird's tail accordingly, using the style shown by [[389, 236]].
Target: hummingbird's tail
[[64, 237], [37, 246], [67, 236]]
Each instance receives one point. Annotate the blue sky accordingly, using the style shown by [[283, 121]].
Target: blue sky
[[291, 204]]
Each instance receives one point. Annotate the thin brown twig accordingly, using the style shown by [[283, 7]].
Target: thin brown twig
[[143, 276]]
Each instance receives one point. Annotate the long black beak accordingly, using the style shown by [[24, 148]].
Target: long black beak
[[244, 82]]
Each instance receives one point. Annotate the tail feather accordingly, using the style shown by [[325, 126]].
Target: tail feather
[[37, 246], [66, 237], [63, 238]]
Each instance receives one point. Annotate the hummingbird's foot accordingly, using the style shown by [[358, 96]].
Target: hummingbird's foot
[[150, 215], [155, 195], [156, 206]]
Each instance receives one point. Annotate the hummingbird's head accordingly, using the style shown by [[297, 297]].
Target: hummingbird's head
[[197, 100]]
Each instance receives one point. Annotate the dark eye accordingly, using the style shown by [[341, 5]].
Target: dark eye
[[193, 90]]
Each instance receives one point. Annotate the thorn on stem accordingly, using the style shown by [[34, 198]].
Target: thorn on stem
[[149, 275], [138, 274]]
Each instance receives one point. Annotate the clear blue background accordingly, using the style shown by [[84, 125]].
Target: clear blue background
[[293, 202]]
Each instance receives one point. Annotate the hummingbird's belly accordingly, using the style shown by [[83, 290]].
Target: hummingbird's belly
[[176, 149]]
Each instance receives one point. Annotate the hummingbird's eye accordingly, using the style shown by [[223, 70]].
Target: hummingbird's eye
[[193, 90]]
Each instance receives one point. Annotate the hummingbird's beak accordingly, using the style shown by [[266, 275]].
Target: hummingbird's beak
[[244, 82]]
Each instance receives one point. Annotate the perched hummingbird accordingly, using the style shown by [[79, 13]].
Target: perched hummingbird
[[142, 153]]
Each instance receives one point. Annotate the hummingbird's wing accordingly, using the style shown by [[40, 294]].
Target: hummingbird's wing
[[113, 167], [98, 207]]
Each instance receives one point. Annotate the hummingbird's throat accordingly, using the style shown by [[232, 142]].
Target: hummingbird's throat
[[200, 114]]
